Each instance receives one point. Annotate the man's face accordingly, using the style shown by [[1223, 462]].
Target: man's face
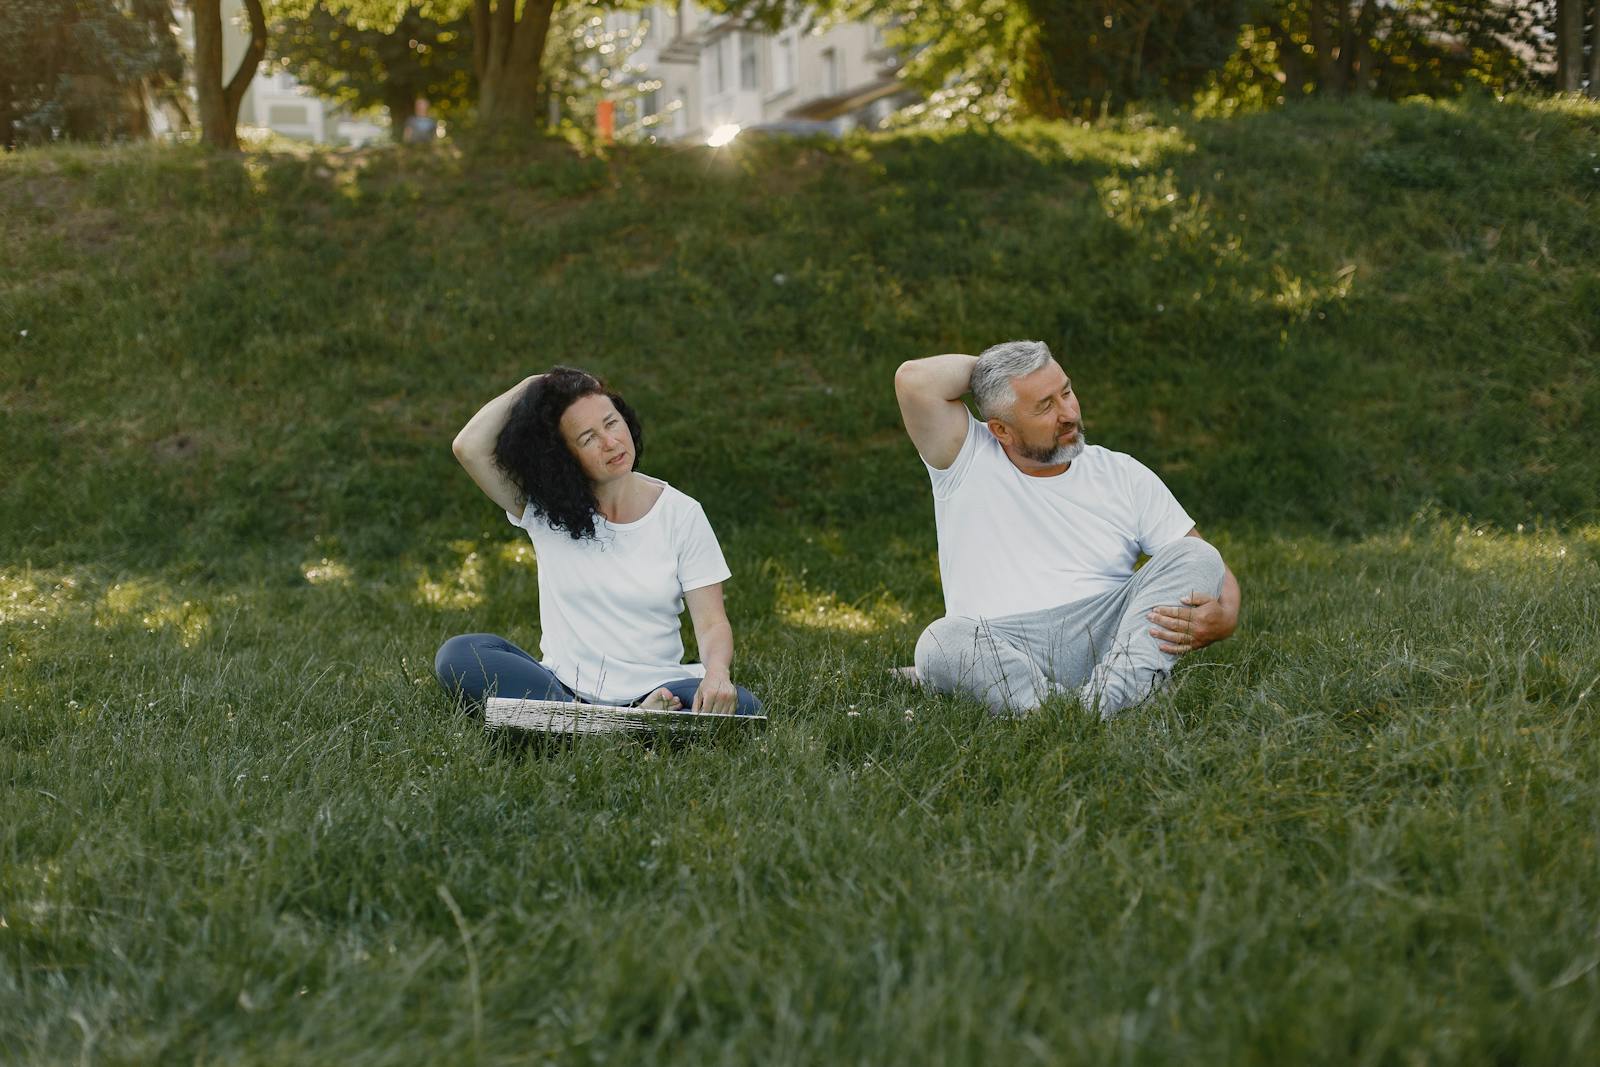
[[1044, 428]]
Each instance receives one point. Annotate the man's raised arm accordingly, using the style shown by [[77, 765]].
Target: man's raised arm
[[930, 392]]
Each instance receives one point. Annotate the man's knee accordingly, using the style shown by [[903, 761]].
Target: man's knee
[[962, 655], [946, 649], [1196, 557]]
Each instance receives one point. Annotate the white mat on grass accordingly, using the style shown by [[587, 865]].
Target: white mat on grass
[[562, 717]]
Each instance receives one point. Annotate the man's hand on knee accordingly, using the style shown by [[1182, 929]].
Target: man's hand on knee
[[1199, 620]]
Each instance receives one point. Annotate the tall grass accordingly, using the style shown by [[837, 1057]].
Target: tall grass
[[241, 825]]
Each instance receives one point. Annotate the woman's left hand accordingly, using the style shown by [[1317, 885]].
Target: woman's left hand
[[716, 694]]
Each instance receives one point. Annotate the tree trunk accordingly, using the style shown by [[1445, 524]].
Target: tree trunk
[[1569, 45], [219, 103], [401, 103], [1366, 30], [1594, 52], [1292, 62], [1322, 47], [508, 53]]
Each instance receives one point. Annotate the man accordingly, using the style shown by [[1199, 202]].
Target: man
[[1038, 536], [421, 127]]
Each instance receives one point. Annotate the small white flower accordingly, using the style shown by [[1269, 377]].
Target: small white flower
[[24, 333]]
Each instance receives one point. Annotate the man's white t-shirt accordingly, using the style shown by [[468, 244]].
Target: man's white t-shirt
[[1010, 543], [609, 607]]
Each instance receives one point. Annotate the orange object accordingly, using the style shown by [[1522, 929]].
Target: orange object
[[605, 120]]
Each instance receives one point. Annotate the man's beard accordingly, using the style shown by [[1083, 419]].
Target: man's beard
[[1056, 454]]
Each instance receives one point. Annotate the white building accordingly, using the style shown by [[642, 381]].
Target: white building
[[715, 72]]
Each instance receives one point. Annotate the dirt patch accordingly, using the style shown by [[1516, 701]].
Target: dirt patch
[[176, 448]]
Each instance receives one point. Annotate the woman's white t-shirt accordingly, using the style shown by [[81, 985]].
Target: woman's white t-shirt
[[609, 607]]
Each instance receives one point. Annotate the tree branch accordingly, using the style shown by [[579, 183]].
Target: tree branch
[[233, 95]]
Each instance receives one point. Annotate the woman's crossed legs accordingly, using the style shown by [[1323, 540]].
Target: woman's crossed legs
[[474, 667]]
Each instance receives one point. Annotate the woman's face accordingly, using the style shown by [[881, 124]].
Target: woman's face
[[598, 436]]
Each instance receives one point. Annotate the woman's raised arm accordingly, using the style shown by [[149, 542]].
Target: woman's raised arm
[[474, 447]]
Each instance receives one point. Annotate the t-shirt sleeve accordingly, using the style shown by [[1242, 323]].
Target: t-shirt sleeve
[[949, 480], [700, 561], [1161, 520]]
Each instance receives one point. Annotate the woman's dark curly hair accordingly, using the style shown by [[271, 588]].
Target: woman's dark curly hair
[[534, 455]]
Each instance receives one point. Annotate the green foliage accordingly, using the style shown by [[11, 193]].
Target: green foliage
[[1359, 340], [1105, 54], [1431, 47], [82, 69], [364, 66], [586, 62], [981, 60]]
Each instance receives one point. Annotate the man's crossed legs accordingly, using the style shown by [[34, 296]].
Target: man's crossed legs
[[1100, 648]]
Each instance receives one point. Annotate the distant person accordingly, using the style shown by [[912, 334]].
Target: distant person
[[421, 127], [1039, 532], [619, 555]]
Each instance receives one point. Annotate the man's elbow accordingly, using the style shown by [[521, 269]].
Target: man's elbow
[[907, 377]]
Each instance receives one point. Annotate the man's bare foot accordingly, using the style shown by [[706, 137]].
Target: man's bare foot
[[905, 674], [662, 700]]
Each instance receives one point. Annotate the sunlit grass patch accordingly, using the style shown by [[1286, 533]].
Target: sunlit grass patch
[[799, 605], [28, 595], [156, 606], [457, 587], [326, 571]]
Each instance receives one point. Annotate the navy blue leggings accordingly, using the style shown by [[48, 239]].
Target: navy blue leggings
[[472, 666]]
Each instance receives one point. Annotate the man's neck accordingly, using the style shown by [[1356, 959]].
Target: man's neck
[[1033, 469]]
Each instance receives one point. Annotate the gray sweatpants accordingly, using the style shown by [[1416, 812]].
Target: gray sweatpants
[[1100, 648]]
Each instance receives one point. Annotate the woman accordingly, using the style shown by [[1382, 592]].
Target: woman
[[619, 555]]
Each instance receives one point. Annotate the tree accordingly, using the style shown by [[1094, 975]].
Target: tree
[[1569, 45], [585, 62], [1056, 57], [1095, 55], [219, 102], [1049, 57], [510, 41], [1399, 48], [363, 66], [1594, 51], [84, 69]]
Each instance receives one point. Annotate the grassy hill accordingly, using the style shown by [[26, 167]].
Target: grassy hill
[[1359, 342]]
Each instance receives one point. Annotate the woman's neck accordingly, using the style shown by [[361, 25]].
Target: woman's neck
[[626, 499]]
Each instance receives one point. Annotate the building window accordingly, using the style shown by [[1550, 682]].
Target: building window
[[749, 66], [830, 71], [649, 103], [718, 72], [783, 63], [287, 115]]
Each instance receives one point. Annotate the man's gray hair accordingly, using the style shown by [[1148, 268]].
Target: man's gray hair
[[996, 366]]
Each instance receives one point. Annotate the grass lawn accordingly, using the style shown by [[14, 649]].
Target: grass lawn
[[1361, 343]]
